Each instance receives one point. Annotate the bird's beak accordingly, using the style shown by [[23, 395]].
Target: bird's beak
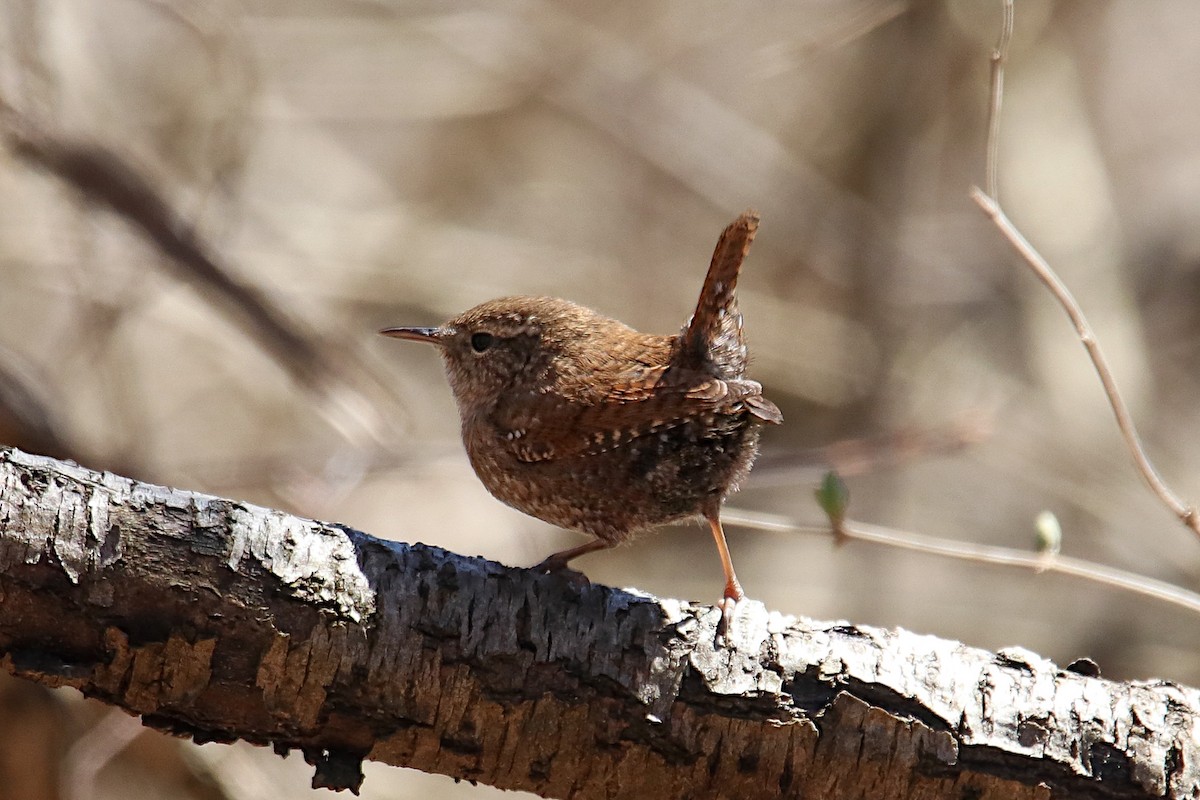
[[429, 335]]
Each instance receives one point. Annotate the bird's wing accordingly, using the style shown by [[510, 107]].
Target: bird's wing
[[546, 427]]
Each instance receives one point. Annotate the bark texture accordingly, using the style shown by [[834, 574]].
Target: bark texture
[[224, 621]]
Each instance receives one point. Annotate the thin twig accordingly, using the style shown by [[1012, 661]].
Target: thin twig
[[999, 56], [989, 203], [1178, 506], [978, 553]]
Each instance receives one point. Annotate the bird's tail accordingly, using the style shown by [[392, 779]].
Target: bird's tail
[[713, 337]]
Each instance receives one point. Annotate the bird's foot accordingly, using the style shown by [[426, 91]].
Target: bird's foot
[[557, 562], [728, 605], [550, 564], [559, 568]]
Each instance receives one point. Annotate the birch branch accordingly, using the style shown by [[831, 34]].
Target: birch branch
[[219, 620]]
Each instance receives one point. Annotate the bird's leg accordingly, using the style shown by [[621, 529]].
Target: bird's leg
[[558, 561], [733, 589]]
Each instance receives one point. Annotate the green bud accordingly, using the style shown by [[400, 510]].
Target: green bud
[[833, 497], [1049, 533]]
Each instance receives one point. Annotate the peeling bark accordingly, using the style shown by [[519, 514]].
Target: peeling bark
[[225, 621]]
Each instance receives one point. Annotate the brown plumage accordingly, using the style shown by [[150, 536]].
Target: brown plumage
[[581, 421]]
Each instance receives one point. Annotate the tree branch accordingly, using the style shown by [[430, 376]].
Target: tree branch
[[224, 621]]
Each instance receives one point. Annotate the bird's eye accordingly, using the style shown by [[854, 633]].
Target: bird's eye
[[481, 341]]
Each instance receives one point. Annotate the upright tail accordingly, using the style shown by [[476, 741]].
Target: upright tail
[[713, 340]]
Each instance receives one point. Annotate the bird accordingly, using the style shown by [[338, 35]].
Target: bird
[[585, 423]]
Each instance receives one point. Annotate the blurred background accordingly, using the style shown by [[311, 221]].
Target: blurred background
[[335, 167]]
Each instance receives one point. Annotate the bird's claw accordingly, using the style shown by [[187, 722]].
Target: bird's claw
[[729, 606]]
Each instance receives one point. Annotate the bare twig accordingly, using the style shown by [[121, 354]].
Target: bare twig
[[1181, 508], [850, 530], [999, 56], [989, 203]]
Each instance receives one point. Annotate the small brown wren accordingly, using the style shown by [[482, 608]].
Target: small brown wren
[[581, 421]]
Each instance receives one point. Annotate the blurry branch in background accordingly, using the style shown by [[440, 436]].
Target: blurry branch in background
[[649, 115], [988, 203], [999, 55], [865, 454], [27, 418], [105, 178], [96, 749]]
